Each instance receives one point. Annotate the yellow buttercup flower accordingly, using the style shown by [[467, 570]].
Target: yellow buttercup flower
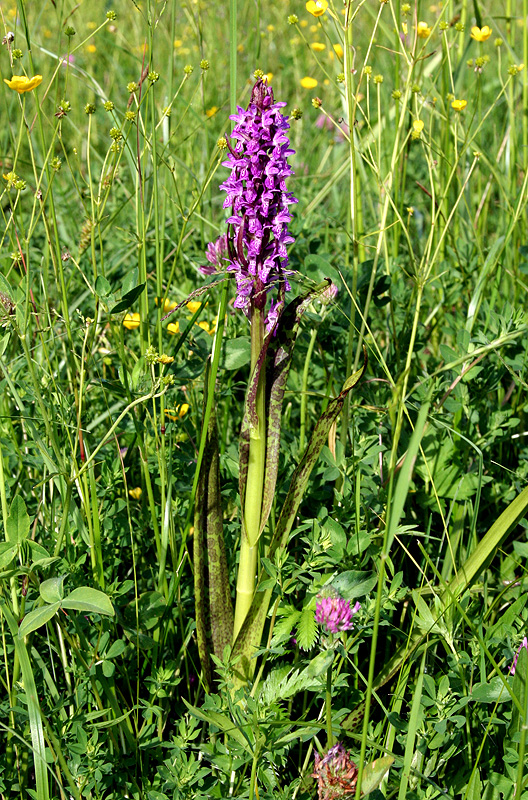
[[176, 413], [91, 48], [136, 493], [417, 128], [210, 112], [481, 34], [423, 30], [168, 305], [173, 327], [318, 46], [132, 320], [316, 7], [459, 105], [308, 83], [21, 84], [338, 50], [193, 306]]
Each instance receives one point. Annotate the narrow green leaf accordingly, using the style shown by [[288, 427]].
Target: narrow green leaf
[[221, 721], [414, 721], [36, 618], [404, 478], [35, 720], [374, 773], [18, 522], [87, 599], [467, 574]]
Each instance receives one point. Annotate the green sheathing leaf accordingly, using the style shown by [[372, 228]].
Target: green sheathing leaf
[[251, 633], [214, 610]]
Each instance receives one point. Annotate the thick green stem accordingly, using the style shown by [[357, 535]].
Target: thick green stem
[[254, 487]]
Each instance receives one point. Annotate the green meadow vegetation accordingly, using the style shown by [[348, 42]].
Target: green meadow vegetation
[[166, 581]]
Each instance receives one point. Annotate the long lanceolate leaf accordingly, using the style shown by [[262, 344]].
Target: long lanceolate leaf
[[467, 574], [35, 721], [214, 610], [250, 635]]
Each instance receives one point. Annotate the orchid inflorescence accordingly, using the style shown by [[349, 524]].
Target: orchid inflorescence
[[256, 192]]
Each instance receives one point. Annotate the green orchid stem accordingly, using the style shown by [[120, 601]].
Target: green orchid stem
[[247, 567]]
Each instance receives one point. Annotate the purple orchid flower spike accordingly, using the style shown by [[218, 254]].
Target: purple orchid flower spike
[[256, 193]]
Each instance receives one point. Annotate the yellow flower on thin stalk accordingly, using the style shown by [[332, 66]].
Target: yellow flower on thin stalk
[[210, 112], [459, 105], [136, 493], [308, 83], [173, 328], [481, 34], [338, 50], [132, 320], [417, 128], [423, 30], [193, 306], [21, 83], [317, 7], [318, 46]]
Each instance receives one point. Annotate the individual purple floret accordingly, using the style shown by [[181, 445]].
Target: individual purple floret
[[524, 644], [335, 614], [217, 256], [335, 772], [256, 193]]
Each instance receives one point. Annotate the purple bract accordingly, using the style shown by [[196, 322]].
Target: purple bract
[[217, 255], [256, 193], [335, 614]]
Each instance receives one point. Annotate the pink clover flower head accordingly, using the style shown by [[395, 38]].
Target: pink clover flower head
[[217, 255], [335, 614], [524, 644], [335, 772], [259, 201]]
